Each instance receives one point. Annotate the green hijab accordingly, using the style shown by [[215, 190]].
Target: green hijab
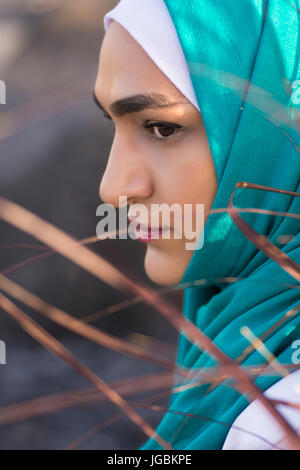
[[243, 58]]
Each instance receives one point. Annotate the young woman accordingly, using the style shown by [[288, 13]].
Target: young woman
[[204, 95]]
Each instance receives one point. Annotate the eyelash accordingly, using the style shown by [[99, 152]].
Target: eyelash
[[150, 126], [107, 116]]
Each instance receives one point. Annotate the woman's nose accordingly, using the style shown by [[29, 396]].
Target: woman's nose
[[125, 175]]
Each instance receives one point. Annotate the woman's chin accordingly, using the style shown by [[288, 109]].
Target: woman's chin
[[162, 267]]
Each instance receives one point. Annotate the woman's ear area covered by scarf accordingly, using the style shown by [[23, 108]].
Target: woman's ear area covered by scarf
[[239, 71]]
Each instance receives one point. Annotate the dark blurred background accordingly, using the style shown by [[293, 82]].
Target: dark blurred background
[[54, 145]]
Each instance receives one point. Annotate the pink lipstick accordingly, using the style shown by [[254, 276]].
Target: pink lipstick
[[146, 234]]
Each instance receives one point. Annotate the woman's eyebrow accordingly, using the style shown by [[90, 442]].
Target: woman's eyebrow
[[138, 103]]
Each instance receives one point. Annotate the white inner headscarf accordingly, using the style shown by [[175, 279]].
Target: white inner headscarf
[[150, 24]]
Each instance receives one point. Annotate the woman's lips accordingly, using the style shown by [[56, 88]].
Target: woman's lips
[[144, 233]]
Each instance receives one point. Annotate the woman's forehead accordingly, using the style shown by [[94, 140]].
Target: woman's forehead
[[125, 69], [120, 49]]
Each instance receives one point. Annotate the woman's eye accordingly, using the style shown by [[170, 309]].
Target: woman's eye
[[162, 130]]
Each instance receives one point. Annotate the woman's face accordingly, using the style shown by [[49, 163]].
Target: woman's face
[[151, 163]]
